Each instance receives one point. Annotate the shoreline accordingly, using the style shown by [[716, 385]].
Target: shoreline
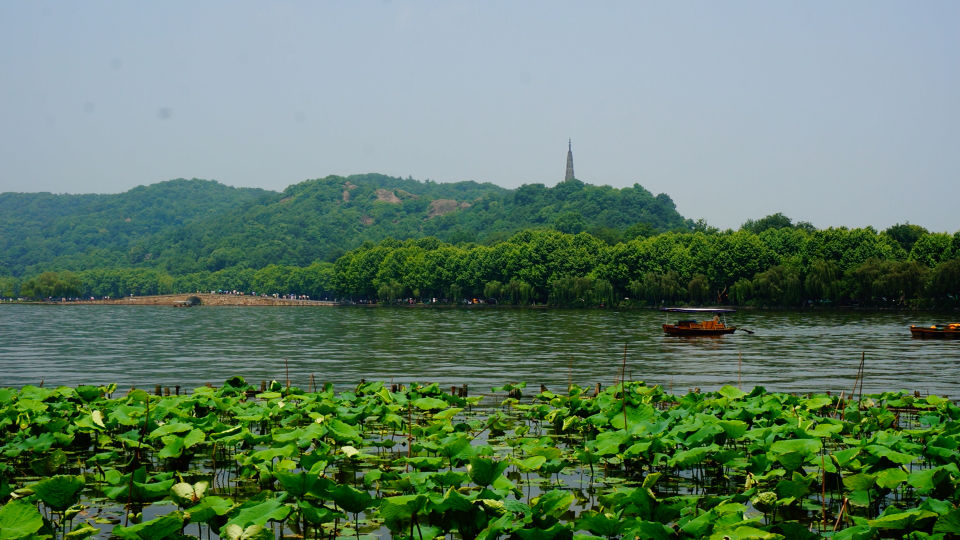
[[189, 300], [208, 299]]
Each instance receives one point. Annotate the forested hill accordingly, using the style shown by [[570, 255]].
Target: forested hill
[[41, 231], [185, 226]]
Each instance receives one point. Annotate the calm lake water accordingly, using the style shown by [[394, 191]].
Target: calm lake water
[[144, 346]]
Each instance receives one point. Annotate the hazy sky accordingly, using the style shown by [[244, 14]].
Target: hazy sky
[[837, 113]]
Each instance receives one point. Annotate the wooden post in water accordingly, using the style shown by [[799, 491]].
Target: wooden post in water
[[177, 387], [313, 386], [158, 390]]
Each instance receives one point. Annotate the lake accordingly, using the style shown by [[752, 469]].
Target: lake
[[145, 346]]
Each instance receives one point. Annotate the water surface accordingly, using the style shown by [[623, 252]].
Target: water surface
[[145, 346]]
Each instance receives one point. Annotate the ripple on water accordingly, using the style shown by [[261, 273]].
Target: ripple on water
[[144, 346]]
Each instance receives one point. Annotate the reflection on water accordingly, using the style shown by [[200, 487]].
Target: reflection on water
[[146, 346]]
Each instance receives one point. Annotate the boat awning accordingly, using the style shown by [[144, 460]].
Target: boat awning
[[697, 310]]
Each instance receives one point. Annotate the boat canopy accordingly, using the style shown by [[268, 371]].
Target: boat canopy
[[697, 310]]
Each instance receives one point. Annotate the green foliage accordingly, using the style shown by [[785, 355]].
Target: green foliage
[[188, 226], [373, 238], [628, 461]]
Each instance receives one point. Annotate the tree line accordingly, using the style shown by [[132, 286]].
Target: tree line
[[766, 263], [189, 226]]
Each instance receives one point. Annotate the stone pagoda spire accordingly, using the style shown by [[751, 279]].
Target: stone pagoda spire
[[569, 175]]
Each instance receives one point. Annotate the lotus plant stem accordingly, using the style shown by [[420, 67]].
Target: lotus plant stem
[[623, 385], [823, 490], [840, 515]]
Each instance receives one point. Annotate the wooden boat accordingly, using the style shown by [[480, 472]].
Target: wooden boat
[[691, 327], [937, 331]]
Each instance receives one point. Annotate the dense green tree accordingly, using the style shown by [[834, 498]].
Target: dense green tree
[[823, 281], [944, 282], [900, 281], [52, 285], [9, 287], [773, 221], [905, 234], [778, 286], [699, 290], [932, 249], [570, 222]]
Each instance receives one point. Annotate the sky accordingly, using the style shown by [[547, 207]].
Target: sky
[[834, 113]]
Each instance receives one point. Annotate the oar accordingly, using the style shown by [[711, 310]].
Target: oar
[[745, 330]]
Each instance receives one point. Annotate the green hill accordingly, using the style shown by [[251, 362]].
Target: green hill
[[191, 225]]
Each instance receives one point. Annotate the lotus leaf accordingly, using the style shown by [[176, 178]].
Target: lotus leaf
[[80, 531], [232, 531], [49, 463], [352, 500], [496, 527], [892, 455], [700, 525], [608, 442], [341, 431], [860, 498], [59, 492], [746, 532], [19, 519], [556, 531], [135, 487], [798, 487], [824, 429], [927, 481], [635, 415], [793, 452], [858, 532], [651, 530], [397, 512], [731, 392], [451, 478], [317, 515], [860, 481], [603, 525], [704, 436], [948, 523], [909, 520], [260, 511], [484, 471], [687, 458], [531, 463], [447, 413], [167, 429], [891, 478], [426, 463], [457, 448], [167, 526], [209, 508], [184, 493]]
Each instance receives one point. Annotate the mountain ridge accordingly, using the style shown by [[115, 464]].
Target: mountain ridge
[[190, 225]]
